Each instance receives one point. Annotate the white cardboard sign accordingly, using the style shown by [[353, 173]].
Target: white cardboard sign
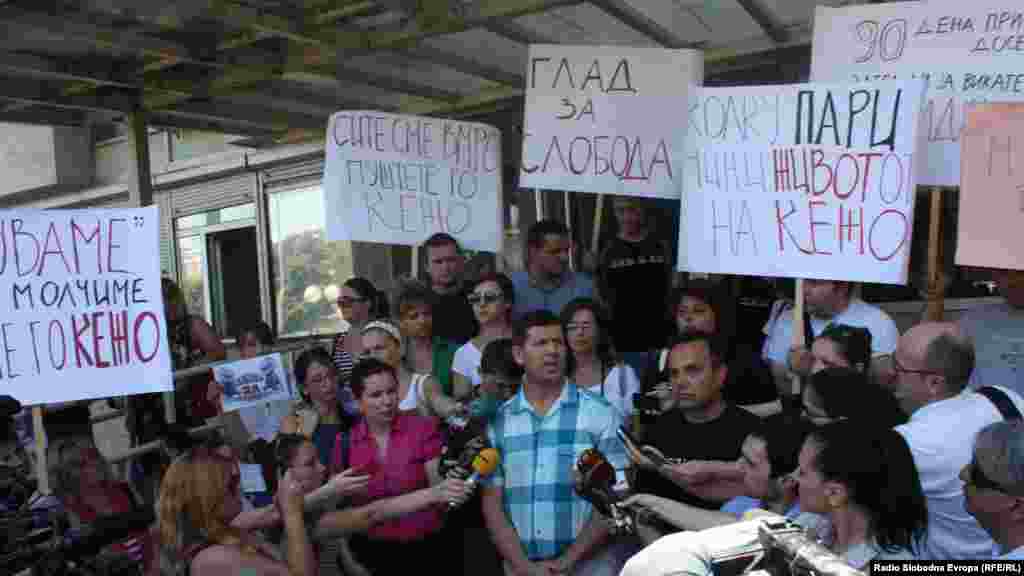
[[397, 179], [967, 51], [603, 119], [252, 381], [803, 180], [81, 305]]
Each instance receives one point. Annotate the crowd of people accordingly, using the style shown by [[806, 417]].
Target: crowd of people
[[891, 446]]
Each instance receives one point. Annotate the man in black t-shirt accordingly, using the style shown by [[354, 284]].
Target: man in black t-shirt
[[634, 275], [445, 266], [702, 430]]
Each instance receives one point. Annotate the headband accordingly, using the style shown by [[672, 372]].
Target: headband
[[386, 327]]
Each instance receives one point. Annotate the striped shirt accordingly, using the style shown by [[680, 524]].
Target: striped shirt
[[538, 454]]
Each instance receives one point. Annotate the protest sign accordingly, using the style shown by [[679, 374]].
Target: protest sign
[[603, 119], [991, 212], [968, 52], [397, 179], [81, 306], [252, 381], [803, 180]]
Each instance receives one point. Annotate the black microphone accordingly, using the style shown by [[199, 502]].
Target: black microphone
[[107, 530]]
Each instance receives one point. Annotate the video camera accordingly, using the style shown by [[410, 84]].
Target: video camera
[[766, 546]]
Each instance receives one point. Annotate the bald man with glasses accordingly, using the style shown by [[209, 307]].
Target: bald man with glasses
[[929, 372], [994, 485]]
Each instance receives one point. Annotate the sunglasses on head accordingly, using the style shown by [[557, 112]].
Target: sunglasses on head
[[484, 297], [977, 478]]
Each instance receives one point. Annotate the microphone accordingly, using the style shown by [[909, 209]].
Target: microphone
[[595, 481], [801, 553], [484, 464]]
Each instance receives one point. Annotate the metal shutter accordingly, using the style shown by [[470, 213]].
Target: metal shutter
[[306, 172], [212, 194]]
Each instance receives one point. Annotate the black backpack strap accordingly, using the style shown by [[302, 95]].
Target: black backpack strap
[[1001, 401]]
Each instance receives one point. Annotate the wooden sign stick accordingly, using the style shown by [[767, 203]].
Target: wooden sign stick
[[799, 337], [936, 275], [42, 474]]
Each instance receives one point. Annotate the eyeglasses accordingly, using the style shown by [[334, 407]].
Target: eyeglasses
[[977, 478], [485, 298], [580, 326], [889, 361], [349, 301]]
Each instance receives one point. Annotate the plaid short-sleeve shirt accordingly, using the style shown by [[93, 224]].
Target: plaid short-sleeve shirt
[[537, 457]]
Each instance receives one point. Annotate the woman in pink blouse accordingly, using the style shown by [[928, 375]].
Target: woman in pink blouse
[[400, 452]]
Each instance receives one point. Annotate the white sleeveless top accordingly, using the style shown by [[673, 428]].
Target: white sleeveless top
[[412, 397]]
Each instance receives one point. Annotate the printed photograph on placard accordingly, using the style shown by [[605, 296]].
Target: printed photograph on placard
[[252, 381]]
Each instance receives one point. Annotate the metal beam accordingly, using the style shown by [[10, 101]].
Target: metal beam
[[765, 20], [212, 123], [518, 33], [25, 95], [249, 115], [388, 83], [630, 16], [20, 65], [75, 27], [464, 65], [298, 91], [325, 16], [49, 117]]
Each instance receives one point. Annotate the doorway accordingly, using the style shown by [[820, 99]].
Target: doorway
[[219, 267]]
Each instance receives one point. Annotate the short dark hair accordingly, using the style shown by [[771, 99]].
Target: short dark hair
[[543, 228], [782, 443], [413, 293], [497, 358], [847, 393], [261, 330], [952, 356], [532, 319], [285, 446], [716, 348], [710, 294], [363, 370], [307, 358], [853, 342], [439, 239], [508, 289], [366, 289]]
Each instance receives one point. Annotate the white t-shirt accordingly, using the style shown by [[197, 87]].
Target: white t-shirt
[[467, 362], [941, 438], [860, 314], [998, 334], [1015, 554], [618, 388]]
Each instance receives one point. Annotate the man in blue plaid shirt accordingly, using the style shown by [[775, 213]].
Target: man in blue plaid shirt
[[539, 524]]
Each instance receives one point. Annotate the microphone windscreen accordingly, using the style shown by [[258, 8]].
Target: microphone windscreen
[[486, 461]]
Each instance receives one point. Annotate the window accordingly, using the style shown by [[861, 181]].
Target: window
[[307, 270]]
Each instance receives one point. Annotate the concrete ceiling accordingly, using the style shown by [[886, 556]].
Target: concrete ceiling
[[276, 69]]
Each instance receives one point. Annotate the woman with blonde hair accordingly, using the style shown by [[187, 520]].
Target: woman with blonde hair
[[199, 498]]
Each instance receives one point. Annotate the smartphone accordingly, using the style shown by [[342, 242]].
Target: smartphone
[[627, 437]]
